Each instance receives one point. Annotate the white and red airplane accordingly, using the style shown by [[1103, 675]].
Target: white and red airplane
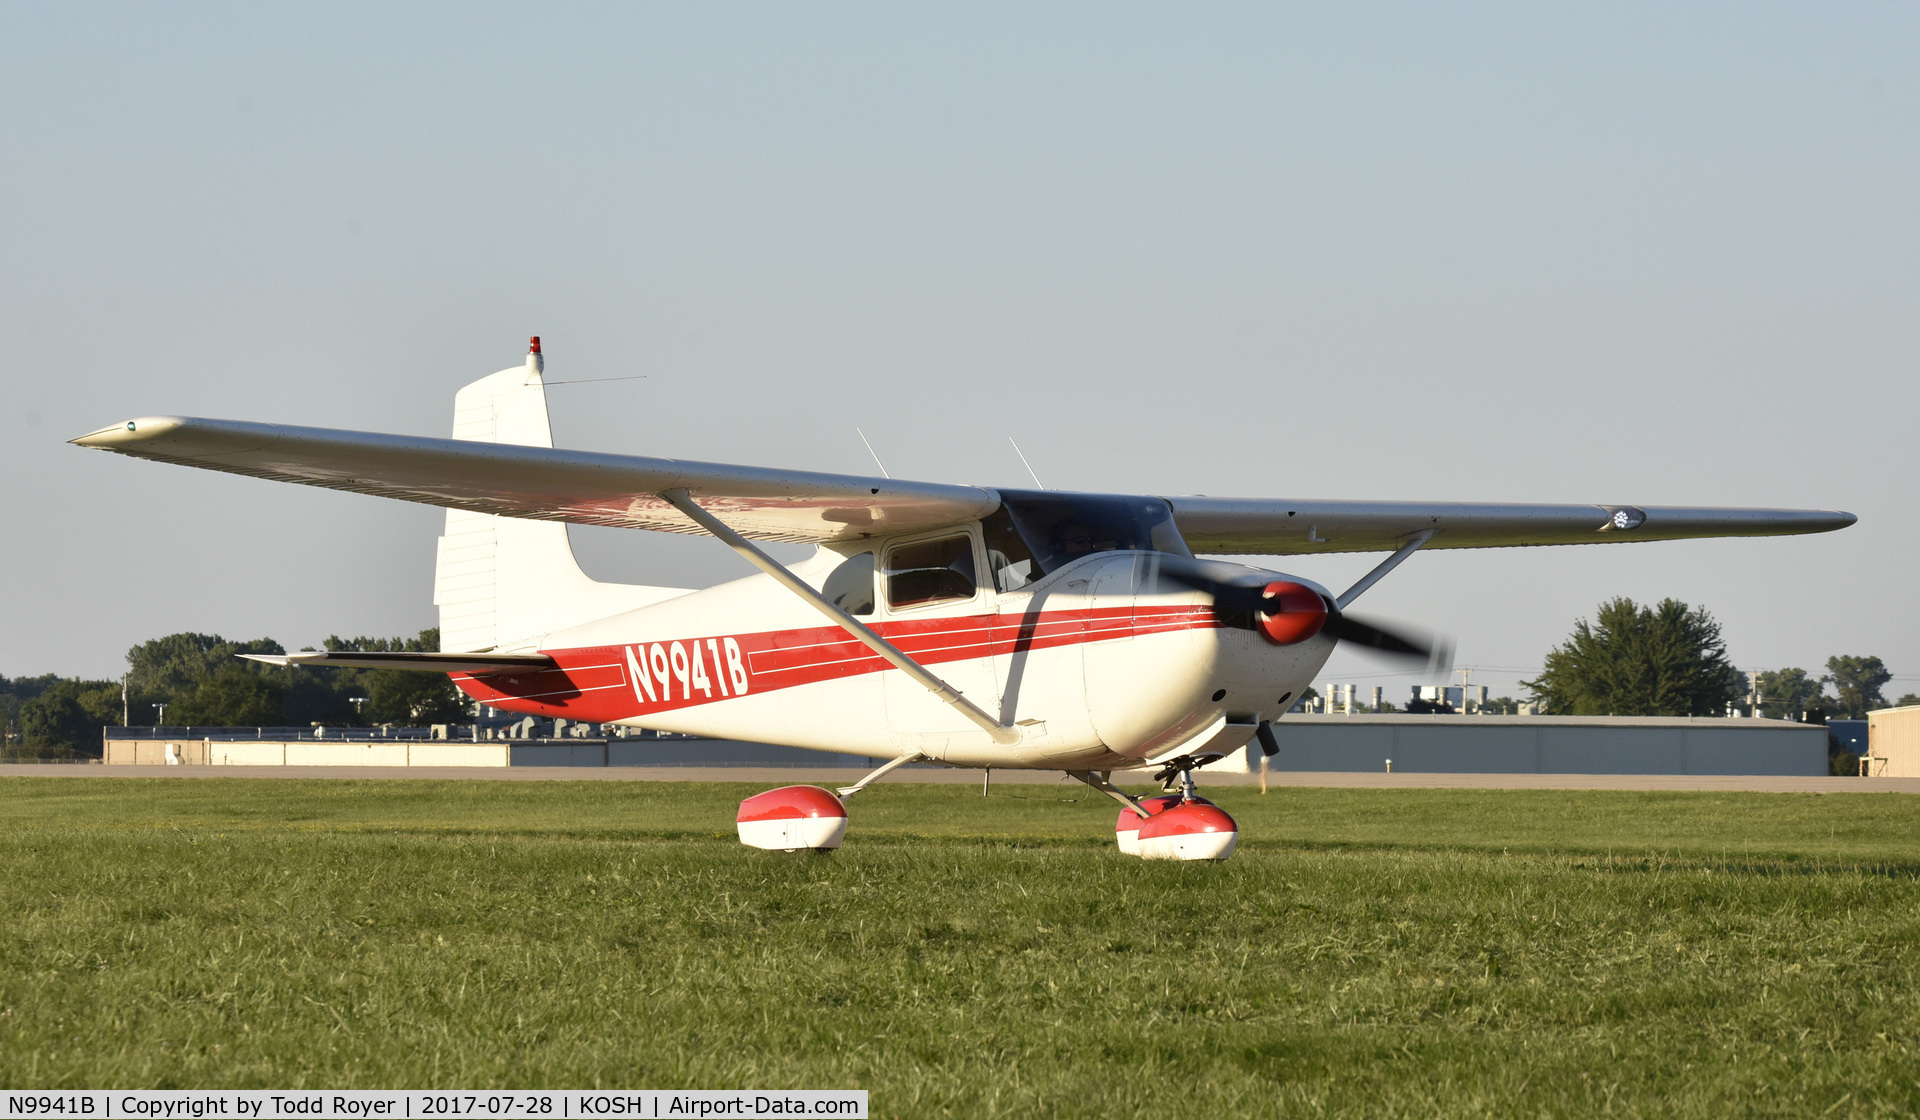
[[963, 625]]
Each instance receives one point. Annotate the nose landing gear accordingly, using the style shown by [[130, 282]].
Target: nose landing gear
[[1182, 826], [1194, 829]]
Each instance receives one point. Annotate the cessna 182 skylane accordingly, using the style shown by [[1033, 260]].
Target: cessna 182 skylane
[[962, 625]]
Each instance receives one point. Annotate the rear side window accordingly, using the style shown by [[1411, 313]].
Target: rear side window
[[925, 572], [850, 587]]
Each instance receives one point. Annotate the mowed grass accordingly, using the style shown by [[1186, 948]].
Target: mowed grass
[[1367, 952]]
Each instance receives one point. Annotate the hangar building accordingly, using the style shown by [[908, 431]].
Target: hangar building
[[1415, 743], [1893, 743], [1457, 744]]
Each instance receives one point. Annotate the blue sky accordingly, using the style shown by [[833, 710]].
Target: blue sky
[[1612, 253]]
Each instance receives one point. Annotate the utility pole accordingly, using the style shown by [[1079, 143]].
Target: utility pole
[[126, 719], [1753, 690]]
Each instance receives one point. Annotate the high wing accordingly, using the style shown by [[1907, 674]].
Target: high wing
[[551, 484], [762, 503], [1226, 526]]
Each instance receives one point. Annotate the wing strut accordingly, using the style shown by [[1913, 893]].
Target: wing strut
[[679, 498], [1411, 546], [849, 791]]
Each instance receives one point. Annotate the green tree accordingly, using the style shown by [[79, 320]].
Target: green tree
[[1856, 685], [309, 696], [415, 698], [231, 697], [1786, 693], [14, 693], [172, 669], [1907, 701], [399, 696], [26, 688], [9, 723], [64, 719], [1664, 660]]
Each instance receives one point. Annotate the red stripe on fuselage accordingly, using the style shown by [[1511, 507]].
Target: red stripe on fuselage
[[595, 685]]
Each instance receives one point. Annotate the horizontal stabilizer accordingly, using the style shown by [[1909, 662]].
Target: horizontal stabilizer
[[425, 662]]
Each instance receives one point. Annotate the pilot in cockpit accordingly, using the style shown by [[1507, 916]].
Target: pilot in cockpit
[[1068, 540], [1072, 540]]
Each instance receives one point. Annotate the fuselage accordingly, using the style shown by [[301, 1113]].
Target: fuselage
[[1101, 663]]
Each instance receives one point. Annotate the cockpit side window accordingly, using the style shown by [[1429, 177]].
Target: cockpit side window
[[850, 586], [1049, 530], [935, 571]]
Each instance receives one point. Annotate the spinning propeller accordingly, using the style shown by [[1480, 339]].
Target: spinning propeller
[[1285, 612]]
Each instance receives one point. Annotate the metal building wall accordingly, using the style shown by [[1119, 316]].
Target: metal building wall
[[1893, 743], [1548, 745]]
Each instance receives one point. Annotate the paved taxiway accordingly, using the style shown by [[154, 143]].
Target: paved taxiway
[[834, 776]]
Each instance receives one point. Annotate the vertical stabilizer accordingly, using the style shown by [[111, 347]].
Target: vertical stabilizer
[[502, 583]]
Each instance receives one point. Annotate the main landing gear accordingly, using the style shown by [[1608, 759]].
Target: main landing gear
[[1178, 824], [1174, 825], [803, 818]]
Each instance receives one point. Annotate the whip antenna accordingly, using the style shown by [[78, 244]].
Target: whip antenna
[[875, 454], [1023, 461]]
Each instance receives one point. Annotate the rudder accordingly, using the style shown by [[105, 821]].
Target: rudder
[[502, 583]]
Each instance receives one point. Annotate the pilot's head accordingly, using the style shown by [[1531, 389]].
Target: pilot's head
[[1072, 539]]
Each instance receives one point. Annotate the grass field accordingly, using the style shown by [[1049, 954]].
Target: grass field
[[1367, 952]]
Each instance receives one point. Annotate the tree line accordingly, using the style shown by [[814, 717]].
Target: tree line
[[1669, 659], [198, 680]]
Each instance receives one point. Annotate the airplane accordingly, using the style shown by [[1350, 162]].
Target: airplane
[[969, 626]]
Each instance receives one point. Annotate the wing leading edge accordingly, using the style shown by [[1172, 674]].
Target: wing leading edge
[[1258, 526], [761, 503], [550, 484]]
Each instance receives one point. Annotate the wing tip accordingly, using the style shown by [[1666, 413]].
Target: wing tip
[[1821, 521], [137, 430]]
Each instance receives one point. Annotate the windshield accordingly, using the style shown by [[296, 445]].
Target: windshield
[[1035, 532]]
